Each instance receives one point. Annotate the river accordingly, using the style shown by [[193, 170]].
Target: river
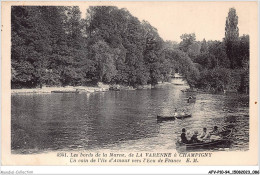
[[121, 120]]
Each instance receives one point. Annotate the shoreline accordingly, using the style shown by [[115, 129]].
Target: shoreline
[[81, 89], [47, 90], [103, 88]]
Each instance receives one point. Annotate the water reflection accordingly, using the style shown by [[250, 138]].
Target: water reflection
[[121, 119]]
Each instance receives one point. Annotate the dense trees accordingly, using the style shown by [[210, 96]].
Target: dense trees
[[54, 46], [223, 65], [213, 63]]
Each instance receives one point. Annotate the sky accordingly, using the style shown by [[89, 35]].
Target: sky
[[205, 19]]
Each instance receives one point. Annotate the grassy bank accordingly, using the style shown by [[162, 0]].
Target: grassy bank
[[64, 89]]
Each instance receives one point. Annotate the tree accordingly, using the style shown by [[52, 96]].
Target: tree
[[215, 80], [243, 51], [194, 50], [187, 40], [204, 46], [231, 37], [231, 29], [30, 45], [206, 60], [170, 45], [152, 52], [122, 33], [104, 58], [218, 50], [73, 26], [59, 57]]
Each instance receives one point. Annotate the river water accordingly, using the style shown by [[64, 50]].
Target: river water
[[121, 120]]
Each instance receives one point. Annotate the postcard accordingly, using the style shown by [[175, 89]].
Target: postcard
[[129, 83]]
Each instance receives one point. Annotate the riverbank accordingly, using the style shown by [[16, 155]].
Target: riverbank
[[82, 89], [85, 89]]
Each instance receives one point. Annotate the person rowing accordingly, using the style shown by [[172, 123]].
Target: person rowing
[[215, 134], [183, 112], [175, 112], [183, 136], [194, 138], [190, 98], [215, 131], [205, 135]]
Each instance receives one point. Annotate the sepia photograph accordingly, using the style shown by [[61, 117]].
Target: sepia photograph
[[122, 78]]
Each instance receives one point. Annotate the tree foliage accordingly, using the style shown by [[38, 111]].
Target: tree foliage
[[231, 37], [54, 46]]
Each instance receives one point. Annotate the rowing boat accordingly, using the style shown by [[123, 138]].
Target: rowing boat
[[191, 100], [173, 117], [223, 142], [183, 116], [189, 90], [76, 91], [165, 118]]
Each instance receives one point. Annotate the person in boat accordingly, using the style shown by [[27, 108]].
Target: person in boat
[[183, 112], [204, 135], [175, 112], [194, 138], [215, 134], [190, 98], [183, 136], [215, 131]]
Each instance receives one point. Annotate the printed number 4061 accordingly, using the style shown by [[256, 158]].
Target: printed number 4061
[[61, 155]]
